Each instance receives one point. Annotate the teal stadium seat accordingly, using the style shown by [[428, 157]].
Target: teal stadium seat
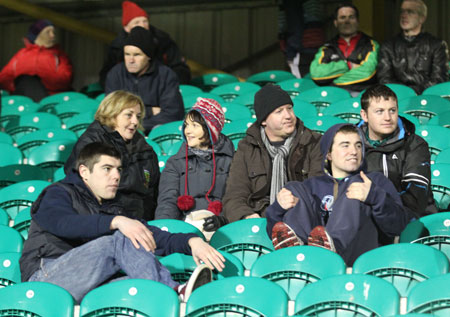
[[295, 267], [443, 156], [235, 111], [10, 240], [22, 222], [4, 218], [50, 101], [209, 81], [322, 123], [10, 112], [10, 155], [403, 264], [16, 173], [189, 89], [6, 138], [175, 226], [166, 134], [238, 296], [237, 129], [190, 100], [79, 123], [322, 97], [29, 122], [441, 89], [71, 108], [348, 295], [15, 100], [230, 91], [414, 120], [431, 297], [437, 138], [296, 86], [154, 145], [100, 97], [246, 239], [59, 174], [424, 107], [9, 269], [440, 185], [347, 109], [402, 91], [131, 297], [270, 76], [174, 148], [303, 109], [30, 141], [443, 119], [36, 299], [92, 90]]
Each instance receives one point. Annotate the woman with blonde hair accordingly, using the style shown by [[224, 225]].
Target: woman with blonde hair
[[117, 121]]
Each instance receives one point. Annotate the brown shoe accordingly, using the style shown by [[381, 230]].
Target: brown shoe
[[319, 237], [283, 236]]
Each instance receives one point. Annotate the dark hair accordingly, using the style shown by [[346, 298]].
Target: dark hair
[[346, 5], [90, 154], [195, 116], [347, 128], [376, 92]]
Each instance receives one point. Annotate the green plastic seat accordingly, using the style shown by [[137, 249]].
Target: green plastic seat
[[10, 240], [30, 141], [51, 156], [189, 89], [295, 267], [10, 155], [443, 156], [442, 119], [303, 109], [100, 97], [431, 297], [320, 124], [296, 86], [174, 148], [437, 138], [15, 100], [9, 268], [50, 101], [166, 134], [3, 93], [234, 111], [132, 297], [246, 239], [59, 174], [154, 145], [348, 295], [230, 91], [414, 120], [6, 138], [402, 264], [175, 226], [402, 91], [79, 123], [247, 99], [238, 296], [22, 222], [181, 266], [322, 97], [270, 76], [30, 122], [209, 81], [36, 299], [12, 112], [71, 108], [424, 107], [4, 218], [440, 185], [92, 90], [15, 173], [441, 89], [237, 129], [347, 109], [191, 99]]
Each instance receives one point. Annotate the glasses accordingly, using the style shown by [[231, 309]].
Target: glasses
[[408, 12]]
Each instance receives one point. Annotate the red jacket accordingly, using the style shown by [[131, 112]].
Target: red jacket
[[52, 65]]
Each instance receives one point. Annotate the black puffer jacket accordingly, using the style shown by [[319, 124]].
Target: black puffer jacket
[[138, 188], [419, 62]]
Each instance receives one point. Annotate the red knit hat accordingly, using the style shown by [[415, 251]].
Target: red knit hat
[[131, 10]]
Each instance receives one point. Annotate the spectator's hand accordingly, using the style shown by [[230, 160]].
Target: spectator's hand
[[136, 231], [286, 199], [202, 252], [358, 190], [254, 215], [214, 222], [156, 110]]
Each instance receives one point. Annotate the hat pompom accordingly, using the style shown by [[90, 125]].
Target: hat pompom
[[215, 207], [185, 202]]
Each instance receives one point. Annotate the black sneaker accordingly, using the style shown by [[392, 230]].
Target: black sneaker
[[201, 276]]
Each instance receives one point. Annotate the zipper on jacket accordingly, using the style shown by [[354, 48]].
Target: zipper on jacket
[[385, 167]]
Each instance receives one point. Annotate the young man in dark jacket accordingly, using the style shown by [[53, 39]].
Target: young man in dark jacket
[[277, 148], [413, 58], [79, 239], [393, 149], [341, 211]]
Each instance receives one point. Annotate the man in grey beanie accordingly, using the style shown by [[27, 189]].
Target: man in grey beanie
[[277, 148]]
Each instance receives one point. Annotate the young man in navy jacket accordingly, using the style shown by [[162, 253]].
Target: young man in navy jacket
[[341, 210], [80, 238]]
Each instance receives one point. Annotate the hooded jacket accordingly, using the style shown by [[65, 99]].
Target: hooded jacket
[[248, 184], [352, 224], [138, 188], [405, 159], [67, 215], [200, 173]]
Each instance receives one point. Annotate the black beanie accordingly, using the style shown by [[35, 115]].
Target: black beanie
[[141, 38], [269, 98]]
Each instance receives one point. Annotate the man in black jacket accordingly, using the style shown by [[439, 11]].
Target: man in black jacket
[[80, 238], [413, 58]]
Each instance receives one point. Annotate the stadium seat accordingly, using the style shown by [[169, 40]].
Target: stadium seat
[[174, 148], [30, 122], [15, 100], [441, 89], [303, 109], [431, 297], [15, 173], [237, 129], [10, 112], [348, 295], [424, 107], [443, 156], [22, 222], [16, 197], [295, 267], [68, 109], [347, 109], [6, 138], [188, 90], [79, 123], [4, 218], [36, 299], [297, 85], [322, 123], [230, 91], [247, 100], [440, 185], [162, 161], [402, 264], [270, 76], [443, 119], [59, 174], [414, 120], [246, 239], [191, 99], [10, 155], [322, 97], [50, 101], [92, 90], [209, 81], [235, 111], [30, 141], [402, 91], [3, 93], [100, 97], [51, 156], [131, 297], [238, 296], [154, 145], [9, 269], [166, 134], [437, 138], [175, 226], [10, 240]]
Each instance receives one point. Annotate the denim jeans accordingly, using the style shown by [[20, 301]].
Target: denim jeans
[[90, 265]]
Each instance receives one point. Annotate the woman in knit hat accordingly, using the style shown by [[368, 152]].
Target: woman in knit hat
[[194, 179]]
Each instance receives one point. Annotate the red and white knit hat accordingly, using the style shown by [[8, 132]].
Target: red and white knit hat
[[212, 113], [131, 10]]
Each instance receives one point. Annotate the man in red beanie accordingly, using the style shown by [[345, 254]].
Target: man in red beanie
[[40, 68], [167, 51]]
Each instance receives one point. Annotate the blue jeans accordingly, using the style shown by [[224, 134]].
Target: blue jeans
[[84, 268]]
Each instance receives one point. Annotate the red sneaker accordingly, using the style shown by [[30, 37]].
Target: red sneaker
[[319, 237], [283, 236]]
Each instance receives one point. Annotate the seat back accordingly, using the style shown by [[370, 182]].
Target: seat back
[[431, 297], [270, 76], [10, 240], [175, 226], [322, 97], [10, 155], [440, 185], [30, 122], [347, 109], [296, 86], [424, 107], [29, 141], [165, 135], [22, 222], [9, 268], [209, 81], [230, 91], [16, 173], [303, 109], [322, 123], [437, 138]]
